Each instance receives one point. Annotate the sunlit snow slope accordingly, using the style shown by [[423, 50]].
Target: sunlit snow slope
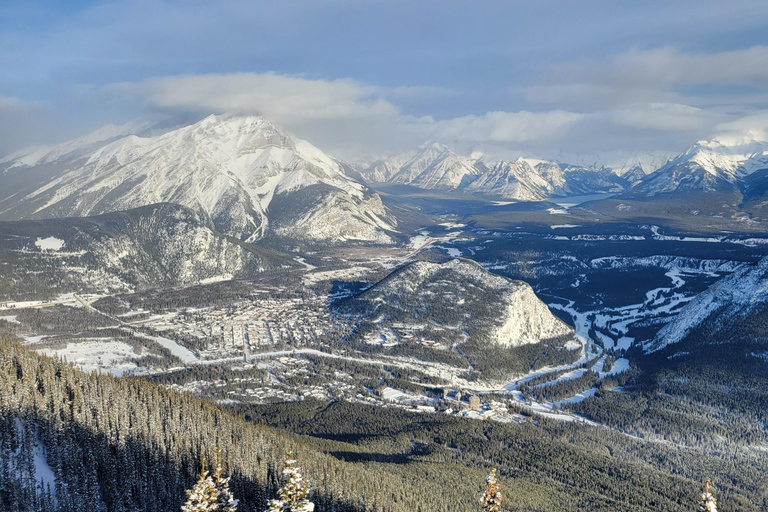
[[707, 166]]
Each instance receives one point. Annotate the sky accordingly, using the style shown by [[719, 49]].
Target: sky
[[566, 80]]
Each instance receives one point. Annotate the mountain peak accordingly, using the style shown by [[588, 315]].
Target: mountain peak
[[240, 173], [431, 165], [434, 145]]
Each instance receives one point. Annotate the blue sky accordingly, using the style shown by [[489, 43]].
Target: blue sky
[[551, 78]]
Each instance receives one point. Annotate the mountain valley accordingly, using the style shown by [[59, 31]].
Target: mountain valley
[[447, 304]]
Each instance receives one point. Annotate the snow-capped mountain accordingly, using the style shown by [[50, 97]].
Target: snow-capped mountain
[[517, 180], [530, 179], [430, 166], [707, 166], [241, 174], [157, 245], [634, 174], [571, 180], [729, 300], [462, 296]]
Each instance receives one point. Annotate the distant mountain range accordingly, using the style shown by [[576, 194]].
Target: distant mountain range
[[245, 178], [434, 166], [709, 166], [430, 166]]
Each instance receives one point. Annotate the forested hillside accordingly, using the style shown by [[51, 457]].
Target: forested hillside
[[108, 444], [100, 443]]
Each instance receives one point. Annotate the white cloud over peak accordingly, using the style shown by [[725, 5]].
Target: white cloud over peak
[[284, 99], [352, 110], [751, 127]]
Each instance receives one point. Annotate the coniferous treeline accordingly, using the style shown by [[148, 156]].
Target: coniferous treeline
[[552, 464], [117, 445]]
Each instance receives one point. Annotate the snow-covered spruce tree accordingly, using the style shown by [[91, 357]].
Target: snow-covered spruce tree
[[210, 493], [292, 496], [203, 496], [224, 500], [708, 502], [491, 499]]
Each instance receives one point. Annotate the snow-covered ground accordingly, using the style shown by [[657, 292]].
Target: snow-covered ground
[[186, 355], [103, 355], [49, 244], [426, 239], [353, 273]]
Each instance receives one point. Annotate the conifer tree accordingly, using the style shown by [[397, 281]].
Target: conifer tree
[[292, 496], [203, 497], [224, 499], [491, 499], [708, 502]]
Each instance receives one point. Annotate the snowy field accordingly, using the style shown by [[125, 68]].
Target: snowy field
[[104, 355]]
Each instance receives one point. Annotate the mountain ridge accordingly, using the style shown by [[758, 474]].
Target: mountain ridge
[[156, 245]]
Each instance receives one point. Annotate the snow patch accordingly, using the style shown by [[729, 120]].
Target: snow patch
[[177, 350], [49, 244]]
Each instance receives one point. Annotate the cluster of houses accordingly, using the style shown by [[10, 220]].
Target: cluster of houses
[[254, 325]]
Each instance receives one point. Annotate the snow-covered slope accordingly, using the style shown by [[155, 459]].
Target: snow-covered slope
[[572, 180], [462, 296], [229, 169], [634, 174], [707, 166], [732, 297], [70, 150], [430, 166]]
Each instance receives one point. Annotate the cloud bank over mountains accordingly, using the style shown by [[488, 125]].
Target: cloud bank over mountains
[[375, 78]]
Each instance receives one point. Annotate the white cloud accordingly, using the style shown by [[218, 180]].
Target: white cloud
[[628, 101], [352, 111], [660, 75], [283, 99], [666, 117], [751, 127], [520, 126]]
